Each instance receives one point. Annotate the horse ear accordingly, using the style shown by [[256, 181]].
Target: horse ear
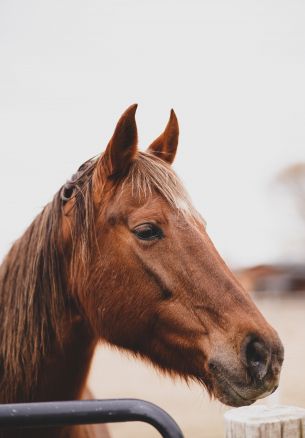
[[165, 146], [122, 147]]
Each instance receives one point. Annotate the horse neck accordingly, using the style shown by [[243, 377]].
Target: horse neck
[[46, 346], [62, 368], [63, 372]]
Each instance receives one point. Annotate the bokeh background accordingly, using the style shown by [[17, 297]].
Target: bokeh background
[[234, 73]]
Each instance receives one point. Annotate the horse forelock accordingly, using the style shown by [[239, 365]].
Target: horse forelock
[[149, 174]]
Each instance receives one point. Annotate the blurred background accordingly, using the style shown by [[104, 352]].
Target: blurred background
[[234, 73]]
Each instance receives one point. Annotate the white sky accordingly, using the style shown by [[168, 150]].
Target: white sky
[[234, 71]]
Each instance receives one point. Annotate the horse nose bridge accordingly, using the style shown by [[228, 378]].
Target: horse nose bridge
[[234, 313]]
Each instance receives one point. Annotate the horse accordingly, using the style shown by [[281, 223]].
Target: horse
[[121, 256]]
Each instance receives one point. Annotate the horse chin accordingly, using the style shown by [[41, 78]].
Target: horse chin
[[229, 392], [230, 396]]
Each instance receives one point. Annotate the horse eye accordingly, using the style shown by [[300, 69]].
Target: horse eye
[[148, 232]]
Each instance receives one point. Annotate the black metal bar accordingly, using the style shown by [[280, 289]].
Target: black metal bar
[[46, 414]]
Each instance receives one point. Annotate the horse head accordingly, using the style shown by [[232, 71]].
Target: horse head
[[148, 279]]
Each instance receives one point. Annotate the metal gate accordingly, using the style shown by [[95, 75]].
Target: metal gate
[[48, 414]]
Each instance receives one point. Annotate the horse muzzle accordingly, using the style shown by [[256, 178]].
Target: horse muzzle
[[254, 375]]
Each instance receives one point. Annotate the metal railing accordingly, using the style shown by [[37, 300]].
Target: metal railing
[[64, 413]]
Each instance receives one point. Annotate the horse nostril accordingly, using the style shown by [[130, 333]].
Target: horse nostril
[[257, 357]]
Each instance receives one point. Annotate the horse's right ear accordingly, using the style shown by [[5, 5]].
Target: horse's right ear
[[122, 147], [165, 146]]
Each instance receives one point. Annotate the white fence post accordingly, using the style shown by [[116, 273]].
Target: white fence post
[[262, 421]]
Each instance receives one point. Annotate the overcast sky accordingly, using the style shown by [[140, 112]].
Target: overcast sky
[[232, 70]]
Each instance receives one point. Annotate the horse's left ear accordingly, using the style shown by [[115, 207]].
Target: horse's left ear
[[165, 146], [122, 146]]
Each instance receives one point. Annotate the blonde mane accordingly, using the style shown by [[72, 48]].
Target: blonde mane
[[149, 174]]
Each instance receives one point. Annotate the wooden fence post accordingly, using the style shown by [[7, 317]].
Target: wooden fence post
[[262, 421]]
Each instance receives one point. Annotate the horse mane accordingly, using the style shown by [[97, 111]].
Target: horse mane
[[33, 295], [31, 298]]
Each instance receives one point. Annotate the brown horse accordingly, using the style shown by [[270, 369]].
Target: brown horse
[[121, 256]]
